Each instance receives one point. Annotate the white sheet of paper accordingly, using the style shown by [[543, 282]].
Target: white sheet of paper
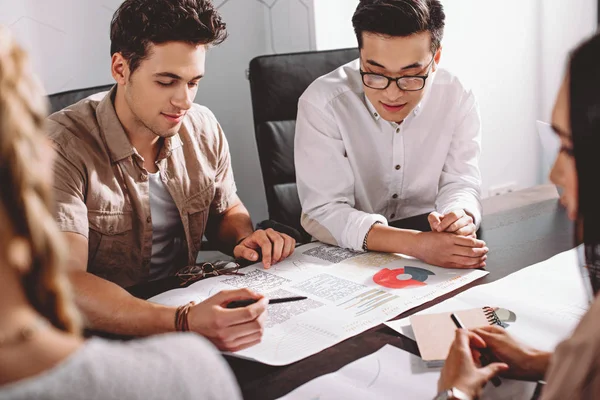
[[548, 299], [347, 292], [391, 373]]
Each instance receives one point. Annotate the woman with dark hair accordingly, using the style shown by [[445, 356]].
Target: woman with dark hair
[[573, 371], [42, 353]]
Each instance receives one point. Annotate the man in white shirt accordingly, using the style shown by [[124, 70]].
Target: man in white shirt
[[390, 136]]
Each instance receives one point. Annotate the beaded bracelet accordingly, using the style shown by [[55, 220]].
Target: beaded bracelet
[[364, 246]]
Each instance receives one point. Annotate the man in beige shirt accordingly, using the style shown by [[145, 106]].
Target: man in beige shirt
[[142, 173]]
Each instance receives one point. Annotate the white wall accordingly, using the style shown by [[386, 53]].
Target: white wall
[[494, 50], [333, 24], [580, 17], [70, 50], [512, 53]]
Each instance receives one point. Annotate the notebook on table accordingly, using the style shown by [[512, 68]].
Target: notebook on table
[[435, 333]]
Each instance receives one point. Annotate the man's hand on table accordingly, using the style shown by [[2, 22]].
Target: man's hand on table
[[230, 329], [274, 247], [450, 251], [458, 222]]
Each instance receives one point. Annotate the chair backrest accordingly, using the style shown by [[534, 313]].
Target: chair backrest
[[276, 83], [58, 101]]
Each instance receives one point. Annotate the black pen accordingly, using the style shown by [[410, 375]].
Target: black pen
[[244, 303], [486, 355]]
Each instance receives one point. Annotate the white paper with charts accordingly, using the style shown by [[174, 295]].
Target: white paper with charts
[[539, 305], [348, 293]]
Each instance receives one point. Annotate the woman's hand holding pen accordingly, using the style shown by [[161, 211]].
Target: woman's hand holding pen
[[462, 369], [230, 329], [524, 362]]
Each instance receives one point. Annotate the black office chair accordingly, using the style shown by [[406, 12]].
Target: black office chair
[[58, 101], [276, 83]]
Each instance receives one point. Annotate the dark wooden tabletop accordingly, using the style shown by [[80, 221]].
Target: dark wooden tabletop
[[520, 229]]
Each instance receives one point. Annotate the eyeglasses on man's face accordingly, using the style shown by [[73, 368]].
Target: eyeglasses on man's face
[[408, 83]]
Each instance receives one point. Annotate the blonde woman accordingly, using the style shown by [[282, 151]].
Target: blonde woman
[[42, 354]]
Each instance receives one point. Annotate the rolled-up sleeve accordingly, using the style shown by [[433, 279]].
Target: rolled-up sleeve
[[460, 180], [326, 182], [69, 193]]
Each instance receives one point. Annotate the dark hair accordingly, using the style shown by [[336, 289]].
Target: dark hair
[[137, 23], [400, 18], [584, 95]]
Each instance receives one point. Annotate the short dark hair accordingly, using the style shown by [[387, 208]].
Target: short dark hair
[[137, 23], [400, 18]]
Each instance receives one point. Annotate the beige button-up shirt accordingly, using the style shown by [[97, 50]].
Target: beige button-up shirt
[[102, 189]]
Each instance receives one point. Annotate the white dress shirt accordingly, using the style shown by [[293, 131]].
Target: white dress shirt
[[353, 168]]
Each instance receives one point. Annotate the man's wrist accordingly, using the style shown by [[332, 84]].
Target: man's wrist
[[240, 240], [365, 245], [388, 239], [157, 319]]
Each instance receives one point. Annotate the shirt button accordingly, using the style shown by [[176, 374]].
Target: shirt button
[[397, 130], [392, 216], [111, 229], [395, 196], [143, 177], [376, 115], [149, 219], [397, 167]]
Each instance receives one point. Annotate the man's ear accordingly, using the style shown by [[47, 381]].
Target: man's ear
[[119, 68], [436, 58]]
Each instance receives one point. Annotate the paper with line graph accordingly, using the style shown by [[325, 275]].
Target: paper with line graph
[[348, 293]]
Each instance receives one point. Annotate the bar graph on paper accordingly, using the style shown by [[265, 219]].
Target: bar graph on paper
[[367, 301]]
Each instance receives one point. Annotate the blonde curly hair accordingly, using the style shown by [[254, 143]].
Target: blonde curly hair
[[25, 196]]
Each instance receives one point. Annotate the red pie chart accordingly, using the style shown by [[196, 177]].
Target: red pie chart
[[401, 278]]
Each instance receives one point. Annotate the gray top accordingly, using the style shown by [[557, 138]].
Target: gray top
[[171, 366]]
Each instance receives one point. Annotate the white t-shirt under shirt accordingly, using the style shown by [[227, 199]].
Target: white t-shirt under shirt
[[172, 366], [167, 229]]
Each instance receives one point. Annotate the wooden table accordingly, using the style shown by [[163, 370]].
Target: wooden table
[[520, 228]]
